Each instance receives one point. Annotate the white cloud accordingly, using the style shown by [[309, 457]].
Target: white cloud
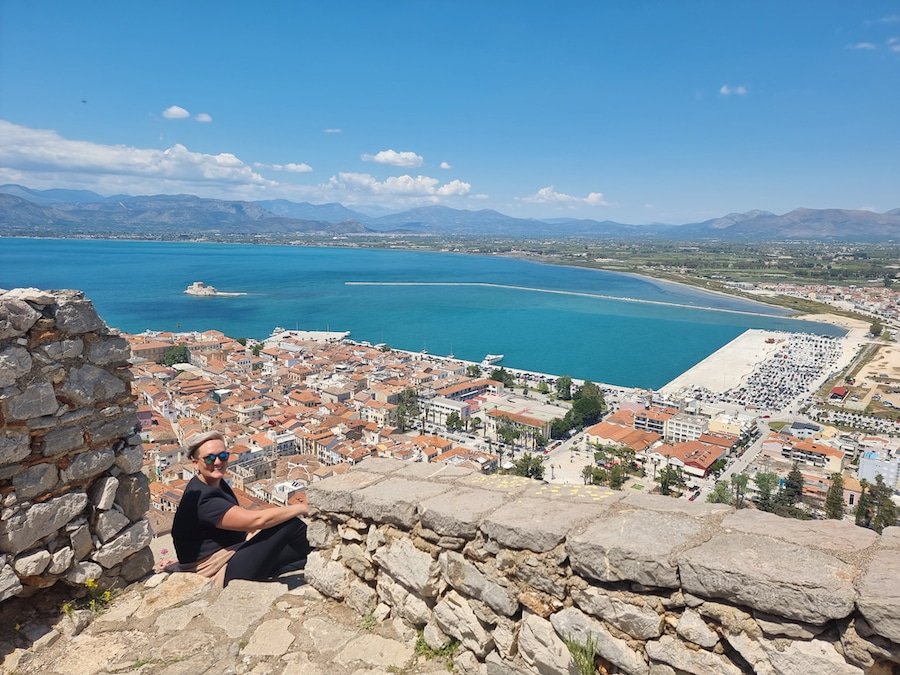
[[862, 45], [726, 90], [292, 167], [890, 18], [548, 195], [175, 112], [893, 44], [203, 117], [405, 159], [445, 165], [332, 131], [402, 186]]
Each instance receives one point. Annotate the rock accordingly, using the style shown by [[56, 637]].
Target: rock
[[413, 568], [536, 524], [14, 362], [434, 637], [33, 563], [692, 628], [271, 638], [82, 572], [354, 557], [375, 651], [321, 534], [394, 500], [177, 589], [9, 583], [634, 546], [458, 513], [64, 349], [35, 480], [137, 566], [75, 315], [133, 495], [130, 541], [109, 524], [16, 317], [335, 495], [454, 617], [87, 385], [113, 349], [698, 662], [879, 594], [638, 621], [831, 535], [63, 440], [776, 577], [572, 623], [23, 529], [328, 577], [361, 597], [407, 605], [801, 658], [88, 464], [541, 648], [103, 492], [36, 401], [466, 578], [80, 539], [467, 663], [14, 445], [774, 626], [77, 621], [130, 459], [62, 560], [241, 604]]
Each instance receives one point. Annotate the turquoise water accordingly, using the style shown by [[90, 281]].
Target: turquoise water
[[138, 286]]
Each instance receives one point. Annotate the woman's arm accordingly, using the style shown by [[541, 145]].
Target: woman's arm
[[244, 520]]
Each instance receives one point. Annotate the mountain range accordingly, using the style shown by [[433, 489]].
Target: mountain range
[[24, 211]]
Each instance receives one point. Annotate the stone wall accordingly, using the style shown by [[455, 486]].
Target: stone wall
[[510, 568], [72, 498]]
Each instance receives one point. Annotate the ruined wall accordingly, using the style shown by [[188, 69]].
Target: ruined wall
[[509, 568], [72, 498]]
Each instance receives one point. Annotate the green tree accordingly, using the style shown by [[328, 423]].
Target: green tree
[[718, 467], [176, 354], [591, 391], [885, 511], [473, 371], [876, 328], [507, 433], [599, 476], [242, 341], [453, 421], [503, 375], [586, 473], [834, 498], [864, 507], [540, 441], [476, 423], [257, 348], [766, 481], [792, 490], [564, 387], [739, 483], [529, 466], [543, 388], [617, 476], [720, 494], [669, 478], [407, 408]]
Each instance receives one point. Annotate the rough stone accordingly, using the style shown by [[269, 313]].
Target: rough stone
[[24, 528], [575, 624], [328, 577], [380, 465], [36, 401], [130, 541], [88, 464], [88, 385], [62, 440], [15, 361], [241, 604], [16, 317], [780, 578], [692, 628], [536, 524], [33, 563], [434, 637], [466, 578], [177, 618], [541, 648], [801, 658], [394, 500], [441, 471], [361, 597], [413, 568], [80, 539], [82, 572], [408, 605], [776, 626], [455, 617], [64, 349], [320, 534], [376, 651], [14, 445], [109, 524], [112, 349], [832, 535], [634, 546], [696, 661], [9, 582], [62, 560], [35, 480], [130, 459], [458, 512], [637, 620], [271, 638], [467, 663], [879, 594], [335, 495], [176, 589], [103, 492], [75, 315], [133, 495]]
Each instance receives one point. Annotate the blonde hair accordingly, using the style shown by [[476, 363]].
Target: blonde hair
[[196, 440]]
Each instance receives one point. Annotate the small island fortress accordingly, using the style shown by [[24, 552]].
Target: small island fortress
[[201, 289]]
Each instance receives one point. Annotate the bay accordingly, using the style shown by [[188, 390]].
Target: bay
[[614, 328]]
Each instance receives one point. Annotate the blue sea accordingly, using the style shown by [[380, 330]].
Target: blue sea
[[609, 327]]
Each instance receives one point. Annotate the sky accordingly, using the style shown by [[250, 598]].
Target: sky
[[638, 112]]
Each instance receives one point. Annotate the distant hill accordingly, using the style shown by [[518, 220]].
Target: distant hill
[[25, 211]]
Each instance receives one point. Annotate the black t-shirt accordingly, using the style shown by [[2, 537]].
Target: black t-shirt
[[194, 530]]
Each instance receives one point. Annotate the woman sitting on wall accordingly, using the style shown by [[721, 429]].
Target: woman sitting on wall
[[210, 531]]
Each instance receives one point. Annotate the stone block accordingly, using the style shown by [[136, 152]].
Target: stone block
[[407, 605], [14, 445], [440, 471], [382, 465], [15, 361], [83, 571], [35, 480], [572, 623], [109, 524], [9, 582], [641, 500], [108, 429], [536, 524], [879, 594], [327, 576], [138, 565], [37, 400], [130, 458], [695, 661], [62, 440], [769, 575], [378, 654], [62, 560], [23, 529], [831, 535], [88, 464], [271, 638], [335, 495], [16, 317], [692, 628], [457, 513], [32, 563], [361, 597], [241, 604], [133, 495], [455, 617], [80, 538], [586, 494], [103, 492], [130, 541], [112, 349], [413, 568], [638, 620], [394, 500], [64, 349], [505, 483], [469, 580], [542, 649], [88, 385], [75, 315], [636, 546]]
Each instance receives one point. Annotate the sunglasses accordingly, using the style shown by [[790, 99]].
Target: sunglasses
[[209, 460]]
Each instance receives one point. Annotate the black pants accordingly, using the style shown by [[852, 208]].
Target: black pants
[[270, 550]]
